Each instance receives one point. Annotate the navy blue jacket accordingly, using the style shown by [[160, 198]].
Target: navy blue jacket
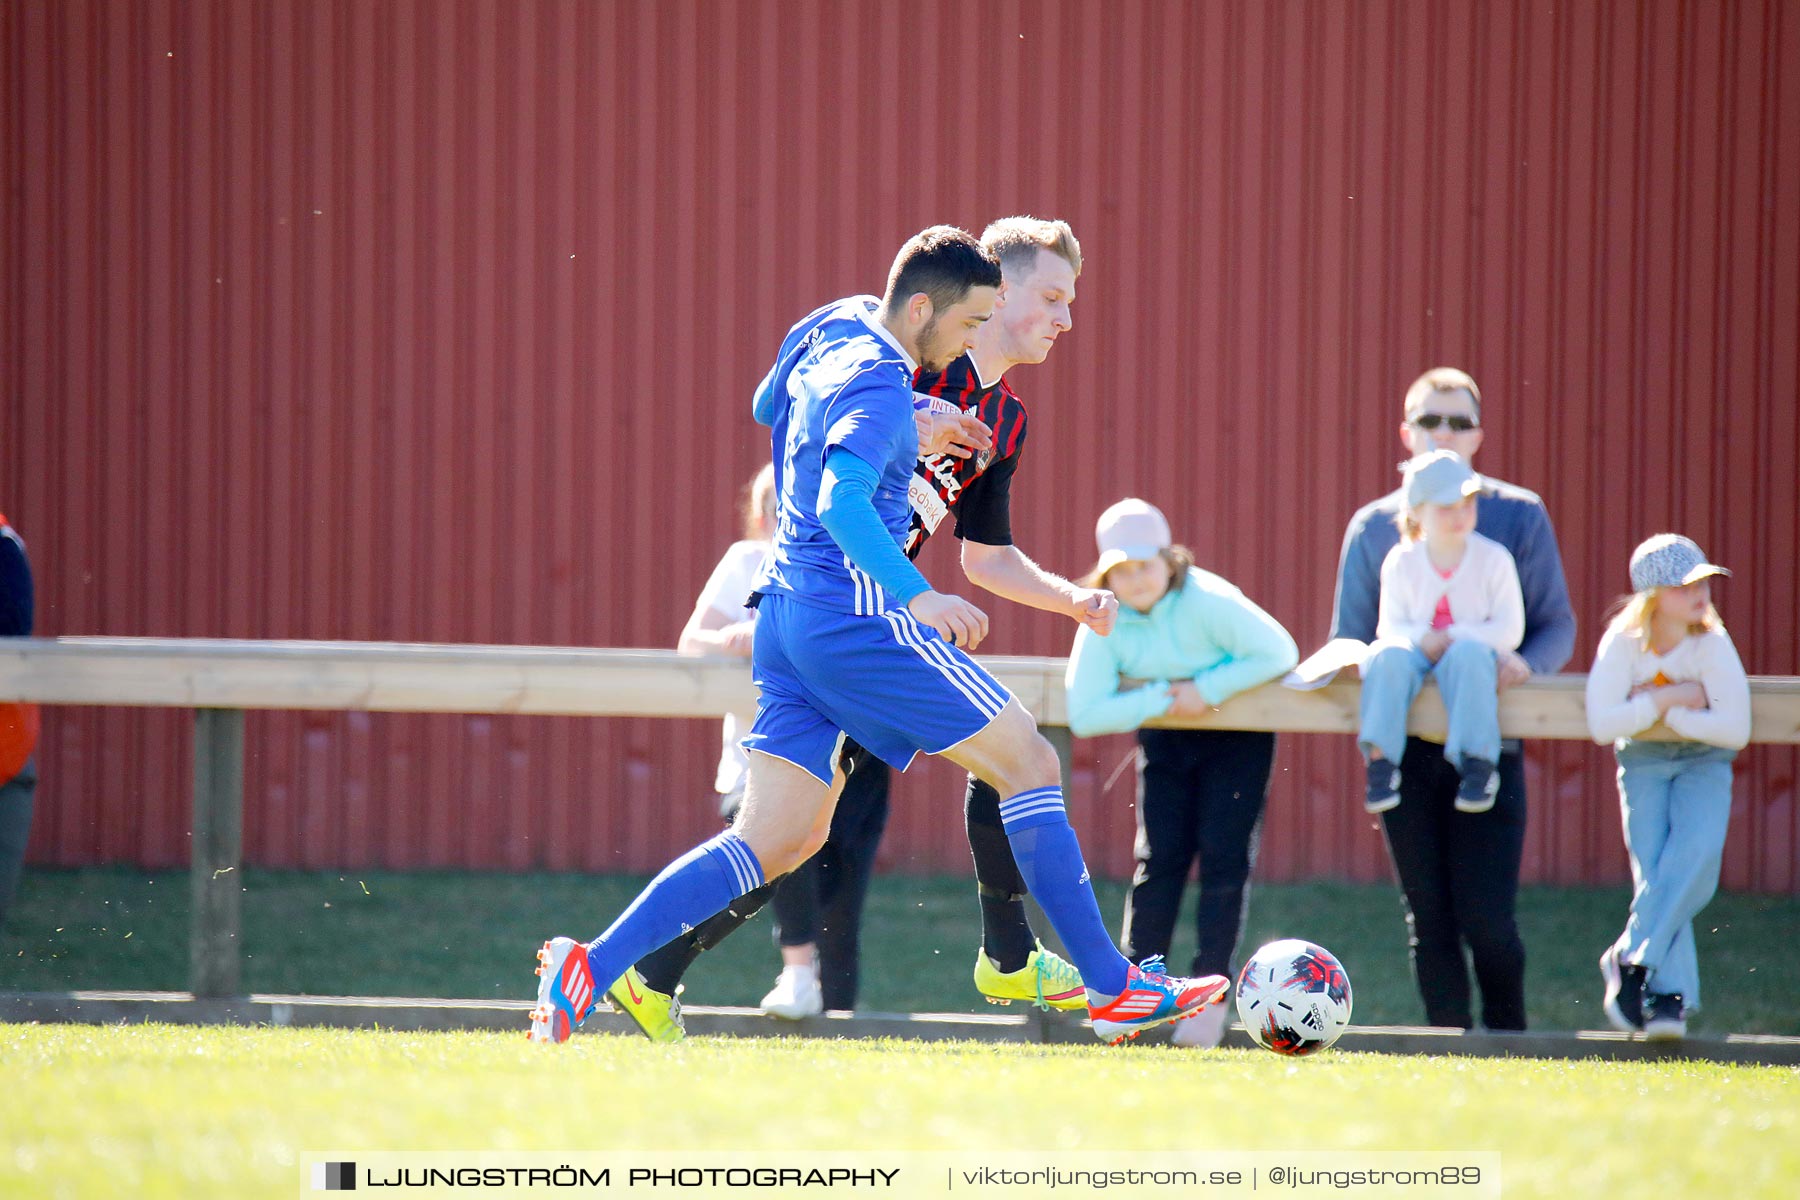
[[15, 584]]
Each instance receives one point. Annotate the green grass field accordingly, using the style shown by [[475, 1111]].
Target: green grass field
[[473, 936], [182, 1112]]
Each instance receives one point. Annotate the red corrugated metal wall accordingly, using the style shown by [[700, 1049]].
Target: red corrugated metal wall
[[438, 321]]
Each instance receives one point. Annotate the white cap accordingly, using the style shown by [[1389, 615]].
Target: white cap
[[1438, 477], [1130, 529]]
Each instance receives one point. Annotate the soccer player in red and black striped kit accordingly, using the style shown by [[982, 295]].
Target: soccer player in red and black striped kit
[[1040, 261]]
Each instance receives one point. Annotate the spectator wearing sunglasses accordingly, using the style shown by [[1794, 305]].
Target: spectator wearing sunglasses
[[1459, 870]]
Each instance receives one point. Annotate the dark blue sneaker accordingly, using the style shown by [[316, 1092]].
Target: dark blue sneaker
[[1624, 1002], [1480, 784], [1665, 1017], [1383, 789]]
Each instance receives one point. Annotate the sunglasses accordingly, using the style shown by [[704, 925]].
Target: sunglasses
[[1430, 421]]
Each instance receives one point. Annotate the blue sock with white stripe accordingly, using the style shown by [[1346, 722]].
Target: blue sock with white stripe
[[689, 890], [1049, 858]]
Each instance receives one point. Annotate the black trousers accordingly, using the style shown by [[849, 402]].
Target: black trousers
[[1201, 795], [1460, 876], [821, 901], [15, 830]]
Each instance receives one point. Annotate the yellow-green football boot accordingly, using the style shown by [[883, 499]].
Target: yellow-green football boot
[[657, 1014], [1047, 980]]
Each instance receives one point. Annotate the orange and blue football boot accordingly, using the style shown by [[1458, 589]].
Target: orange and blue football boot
[[565, 990], [1152, 998]]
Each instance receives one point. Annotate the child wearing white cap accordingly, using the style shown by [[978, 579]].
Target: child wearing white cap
[[1450, 603], [1185, 642], [1666, 660]]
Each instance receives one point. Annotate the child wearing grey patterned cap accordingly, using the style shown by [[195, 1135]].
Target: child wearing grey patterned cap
[[1667, 665]]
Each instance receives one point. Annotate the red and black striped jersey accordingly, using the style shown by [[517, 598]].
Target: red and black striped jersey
[[978, 489]]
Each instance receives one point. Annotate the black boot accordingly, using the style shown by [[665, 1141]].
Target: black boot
[[1665, 1018], [1624, 1001]]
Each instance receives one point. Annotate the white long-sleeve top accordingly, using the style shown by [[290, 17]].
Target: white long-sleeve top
[[1626, 660], [1485, 602], [726, 589]]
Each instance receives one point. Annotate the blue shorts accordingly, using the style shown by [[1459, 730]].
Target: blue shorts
[[892, 684]]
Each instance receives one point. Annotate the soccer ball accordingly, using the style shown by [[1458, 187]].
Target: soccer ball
[[1293, 997]]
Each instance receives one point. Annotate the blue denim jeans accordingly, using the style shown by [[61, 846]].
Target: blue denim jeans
[[1675, 799], [1467, 675]]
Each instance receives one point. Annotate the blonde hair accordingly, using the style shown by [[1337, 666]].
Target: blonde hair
[[1440, 379], [756, 501], [1179, 559], [1630, 615], [1407, 522], [1015, 241]]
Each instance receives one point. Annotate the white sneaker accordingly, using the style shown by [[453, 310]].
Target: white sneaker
[[1205, 1028], [795, 995]]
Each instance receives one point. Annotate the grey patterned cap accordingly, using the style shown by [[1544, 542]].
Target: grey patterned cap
[[1669, 560]]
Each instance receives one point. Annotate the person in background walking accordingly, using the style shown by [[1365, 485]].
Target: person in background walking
[[818, 905]]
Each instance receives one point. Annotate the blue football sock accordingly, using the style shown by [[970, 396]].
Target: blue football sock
[[1049, 858], [689, 890]]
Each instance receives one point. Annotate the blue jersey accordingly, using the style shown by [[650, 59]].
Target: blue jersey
[[840, 380]]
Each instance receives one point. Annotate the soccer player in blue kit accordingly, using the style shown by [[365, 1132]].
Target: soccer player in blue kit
[[853, 640], [968, 487]]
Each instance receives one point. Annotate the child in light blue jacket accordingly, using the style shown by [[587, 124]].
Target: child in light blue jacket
[[1186, 641]]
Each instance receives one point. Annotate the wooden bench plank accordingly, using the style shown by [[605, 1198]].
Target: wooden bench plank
[[576, 681], [220, 678]]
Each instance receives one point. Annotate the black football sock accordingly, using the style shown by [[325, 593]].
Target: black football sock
[[663, 967], [1005, 930], [1006, 935]]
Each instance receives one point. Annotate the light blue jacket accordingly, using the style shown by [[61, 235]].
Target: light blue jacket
[[1207, 631]]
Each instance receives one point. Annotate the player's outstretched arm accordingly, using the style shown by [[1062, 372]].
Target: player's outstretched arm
[[955, 619], [1009, 574]]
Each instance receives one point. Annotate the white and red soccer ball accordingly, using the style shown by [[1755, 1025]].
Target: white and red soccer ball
[[1293, 997]]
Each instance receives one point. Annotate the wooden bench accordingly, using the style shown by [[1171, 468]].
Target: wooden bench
[[219, 679]]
